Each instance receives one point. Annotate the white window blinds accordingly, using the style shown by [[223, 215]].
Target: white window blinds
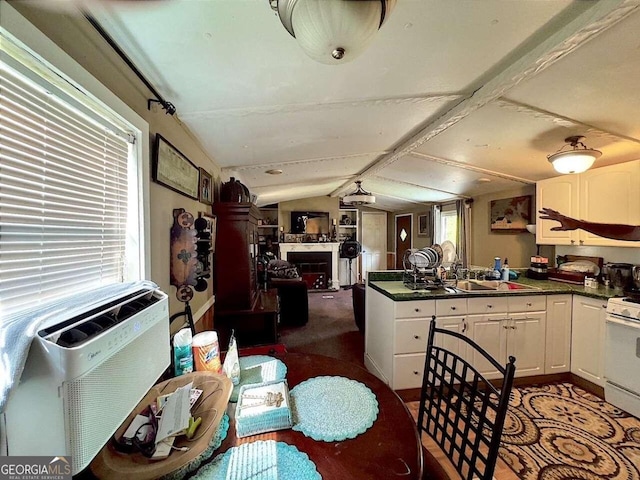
[[64, 192]]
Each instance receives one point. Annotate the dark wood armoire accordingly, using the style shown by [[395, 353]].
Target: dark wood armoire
[[240, 304]]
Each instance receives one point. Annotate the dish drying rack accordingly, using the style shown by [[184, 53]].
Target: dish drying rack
[[422, 269]]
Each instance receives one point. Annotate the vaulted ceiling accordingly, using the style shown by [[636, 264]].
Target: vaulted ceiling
[[453, 99]]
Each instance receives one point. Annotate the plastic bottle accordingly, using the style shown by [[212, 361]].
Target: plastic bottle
[[505, 270], [496, 268], [182, 353]]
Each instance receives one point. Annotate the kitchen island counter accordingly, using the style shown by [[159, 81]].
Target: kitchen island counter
[[389, 283]]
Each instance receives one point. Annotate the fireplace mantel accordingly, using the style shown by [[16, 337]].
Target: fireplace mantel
[[332, 247]]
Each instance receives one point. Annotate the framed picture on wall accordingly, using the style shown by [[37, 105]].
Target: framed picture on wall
[[424, 225], [511, 214], [206, 187], [173, 170]]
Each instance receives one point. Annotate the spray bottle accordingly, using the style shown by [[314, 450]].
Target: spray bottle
[[182, 354], [505, 270]]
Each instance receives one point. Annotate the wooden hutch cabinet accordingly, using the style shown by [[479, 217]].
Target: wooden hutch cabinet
[[240, 305]]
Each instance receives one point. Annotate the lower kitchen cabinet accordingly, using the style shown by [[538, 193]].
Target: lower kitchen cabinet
[[587, 338], [396, 338], [558, 337], [519, 333]]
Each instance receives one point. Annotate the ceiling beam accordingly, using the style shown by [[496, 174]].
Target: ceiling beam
[[471, 168], [589, 24], [562, 120], [302, 162], [323, 106], [421, 187]]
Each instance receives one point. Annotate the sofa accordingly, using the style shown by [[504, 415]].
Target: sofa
[[292, 292]]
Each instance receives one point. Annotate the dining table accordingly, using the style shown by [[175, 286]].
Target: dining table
[[389, 449]]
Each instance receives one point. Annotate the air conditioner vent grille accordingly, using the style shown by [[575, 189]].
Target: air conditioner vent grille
[[78, 333]]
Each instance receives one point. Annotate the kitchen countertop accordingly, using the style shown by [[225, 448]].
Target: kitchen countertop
[[390, 284]]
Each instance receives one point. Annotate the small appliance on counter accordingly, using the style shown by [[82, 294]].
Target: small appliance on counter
[[575, 268], [538, 270], [619, 275]]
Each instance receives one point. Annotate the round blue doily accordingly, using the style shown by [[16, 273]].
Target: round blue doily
[[332, 408], [214, 444], [260, 460], [258, 369]]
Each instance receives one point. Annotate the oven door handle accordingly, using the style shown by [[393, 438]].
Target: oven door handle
[[621, 321]]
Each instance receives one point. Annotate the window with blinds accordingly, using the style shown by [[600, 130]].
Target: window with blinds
[[65, 194]]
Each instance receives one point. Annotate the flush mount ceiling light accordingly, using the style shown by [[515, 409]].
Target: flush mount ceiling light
[[333, 31], [577, 160], [359, 197]]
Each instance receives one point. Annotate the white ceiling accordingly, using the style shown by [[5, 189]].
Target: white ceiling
[[449, 95]]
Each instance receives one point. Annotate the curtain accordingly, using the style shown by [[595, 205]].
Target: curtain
[[463, 209], [436, 224]]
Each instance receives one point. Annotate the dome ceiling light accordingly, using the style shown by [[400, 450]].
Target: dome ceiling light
[[359, 197], [577, 160], [333, 31]]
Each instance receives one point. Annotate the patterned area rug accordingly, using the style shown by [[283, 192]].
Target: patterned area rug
[[561, 432]]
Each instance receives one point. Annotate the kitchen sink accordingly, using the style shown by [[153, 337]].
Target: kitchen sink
[[471, 286]]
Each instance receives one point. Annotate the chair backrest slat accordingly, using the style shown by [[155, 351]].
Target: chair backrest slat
[[460, 409]]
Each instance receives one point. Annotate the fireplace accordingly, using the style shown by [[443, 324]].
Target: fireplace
[[314, 267], [317, 262]]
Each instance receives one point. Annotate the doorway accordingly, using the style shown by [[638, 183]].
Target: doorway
[[374, 242], [404, 237]]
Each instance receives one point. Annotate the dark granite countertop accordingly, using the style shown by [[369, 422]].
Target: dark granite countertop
[[389, 283]]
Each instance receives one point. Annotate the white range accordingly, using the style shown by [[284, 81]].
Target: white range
[[622, 354]]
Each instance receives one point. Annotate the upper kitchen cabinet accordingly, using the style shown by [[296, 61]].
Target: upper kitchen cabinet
[[603, 195], [610, 195], [561, 194]]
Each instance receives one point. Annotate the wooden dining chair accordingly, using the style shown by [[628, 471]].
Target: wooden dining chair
[[460, 410]]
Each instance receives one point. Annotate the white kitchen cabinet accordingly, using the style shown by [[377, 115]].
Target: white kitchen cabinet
[[396, 335], [396, 338], [489, 332], [517, 329], [602, 195], [558, 334], [561, 194], [609, 195], [525, 341], [587, 338]]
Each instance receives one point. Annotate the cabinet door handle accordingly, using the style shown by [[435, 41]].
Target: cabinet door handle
[[528, 304], [505, 327], [453, 308], [581, 242], [604, 306], [464, 327], [572, 242], [417, 337], [415, 372], [417, 309]]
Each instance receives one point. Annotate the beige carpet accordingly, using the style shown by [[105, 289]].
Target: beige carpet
[[561, 432]]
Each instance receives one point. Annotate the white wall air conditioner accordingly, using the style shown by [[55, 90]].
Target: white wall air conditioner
[[85, 374]]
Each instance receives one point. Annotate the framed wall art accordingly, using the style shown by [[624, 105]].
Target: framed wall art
[[206, 187], [511, 214], [424, 225], [175, 171]]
